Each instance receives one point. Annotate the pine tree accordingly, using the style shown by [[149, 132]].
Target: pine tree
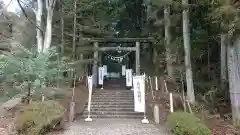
[[31, 67]]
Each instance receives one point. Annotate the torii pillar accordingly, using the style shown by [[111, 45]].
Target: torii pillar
[[95, 64], [137, 58]]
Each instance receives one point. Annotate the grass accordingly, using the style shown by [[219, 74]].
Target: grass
[[39, 117], [182, 123]]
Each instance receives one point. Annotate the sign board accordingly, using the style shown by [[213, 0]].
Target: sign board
[[129, 77], [139, 93], [100, 75]]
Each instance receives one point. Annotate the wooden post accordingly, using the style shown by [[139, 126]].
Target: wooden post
[[72, 104], [156, 113], [137, 58], [95, 65], [171, 102], [42, 97]]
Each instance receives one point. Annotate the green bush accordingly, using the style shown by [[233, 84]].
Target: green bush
[[182, 123], [39, 117], [50, 94]]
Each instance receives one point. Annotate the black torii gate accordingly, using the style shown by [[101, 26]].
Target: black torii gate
[[136, 49]]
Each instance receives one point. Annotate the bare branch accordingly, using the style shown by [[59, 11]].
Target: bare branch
[[25, 14]]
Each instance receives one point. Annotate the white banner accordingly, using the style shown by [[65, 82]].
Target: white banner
[[105, 70], [90, 84], [100, 75], [156, 83], [139, 93], [129, 77], [123, 70]]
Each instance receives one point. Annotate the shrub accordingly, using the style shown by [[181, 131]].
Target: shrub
[[182, 123], [39, 117], [50, 94]]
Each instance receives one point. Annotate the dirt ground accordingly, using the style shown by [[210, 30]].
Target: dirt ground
[[7, 121], [6, 125], [221, 127], [216, 124]]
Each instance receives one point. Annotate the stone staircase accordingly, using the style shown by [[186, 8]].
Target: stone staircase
[[112, 104]]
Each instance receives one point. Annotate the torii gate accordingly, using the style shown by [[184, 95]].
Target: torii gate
[[96, 41]]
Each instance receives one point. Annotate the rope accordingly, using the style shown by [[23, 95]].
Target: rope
[[119, 59], [118, 56]]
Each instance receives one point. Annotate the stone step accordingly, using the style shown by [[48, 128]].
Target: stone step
[[110, 90], [112, 103], [130, 113], [113, 95], [111, 106], [112, 100], [111, 109], [114, 116], [113, 92]]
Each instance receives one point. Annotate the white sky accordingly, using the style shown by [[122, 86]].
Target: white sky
[[13, 5]]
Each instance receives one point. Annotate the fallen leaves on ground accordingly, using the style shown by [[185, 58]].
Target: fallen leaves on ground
[[6, 125], [221, 127]]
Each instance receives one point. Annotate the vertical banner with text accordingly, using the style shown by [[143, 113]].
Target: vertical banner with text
[[90, 84], [123, 70], [100, 75], [129, 77], [105, 70], [139, 93]]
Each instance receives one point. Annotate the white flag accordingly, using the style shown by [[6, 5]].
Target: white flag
[[105, 70], [156, 83], [90, 84], [121, 59], [139, 93], [123, 70], [129, 77], [100, 75]]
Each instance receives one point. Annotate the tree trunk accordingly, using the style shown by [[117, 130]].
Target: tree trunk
[[186, 40], [39, 24], [223, 57], [62, 30], [74, 31], [48, 33], [168, 42], [234, 79], [81, 55], [155, 61], [50, 4], [29, 92]]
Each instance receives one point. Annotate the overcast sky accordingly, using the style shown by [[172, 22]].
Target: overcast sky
[[13, 5]]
